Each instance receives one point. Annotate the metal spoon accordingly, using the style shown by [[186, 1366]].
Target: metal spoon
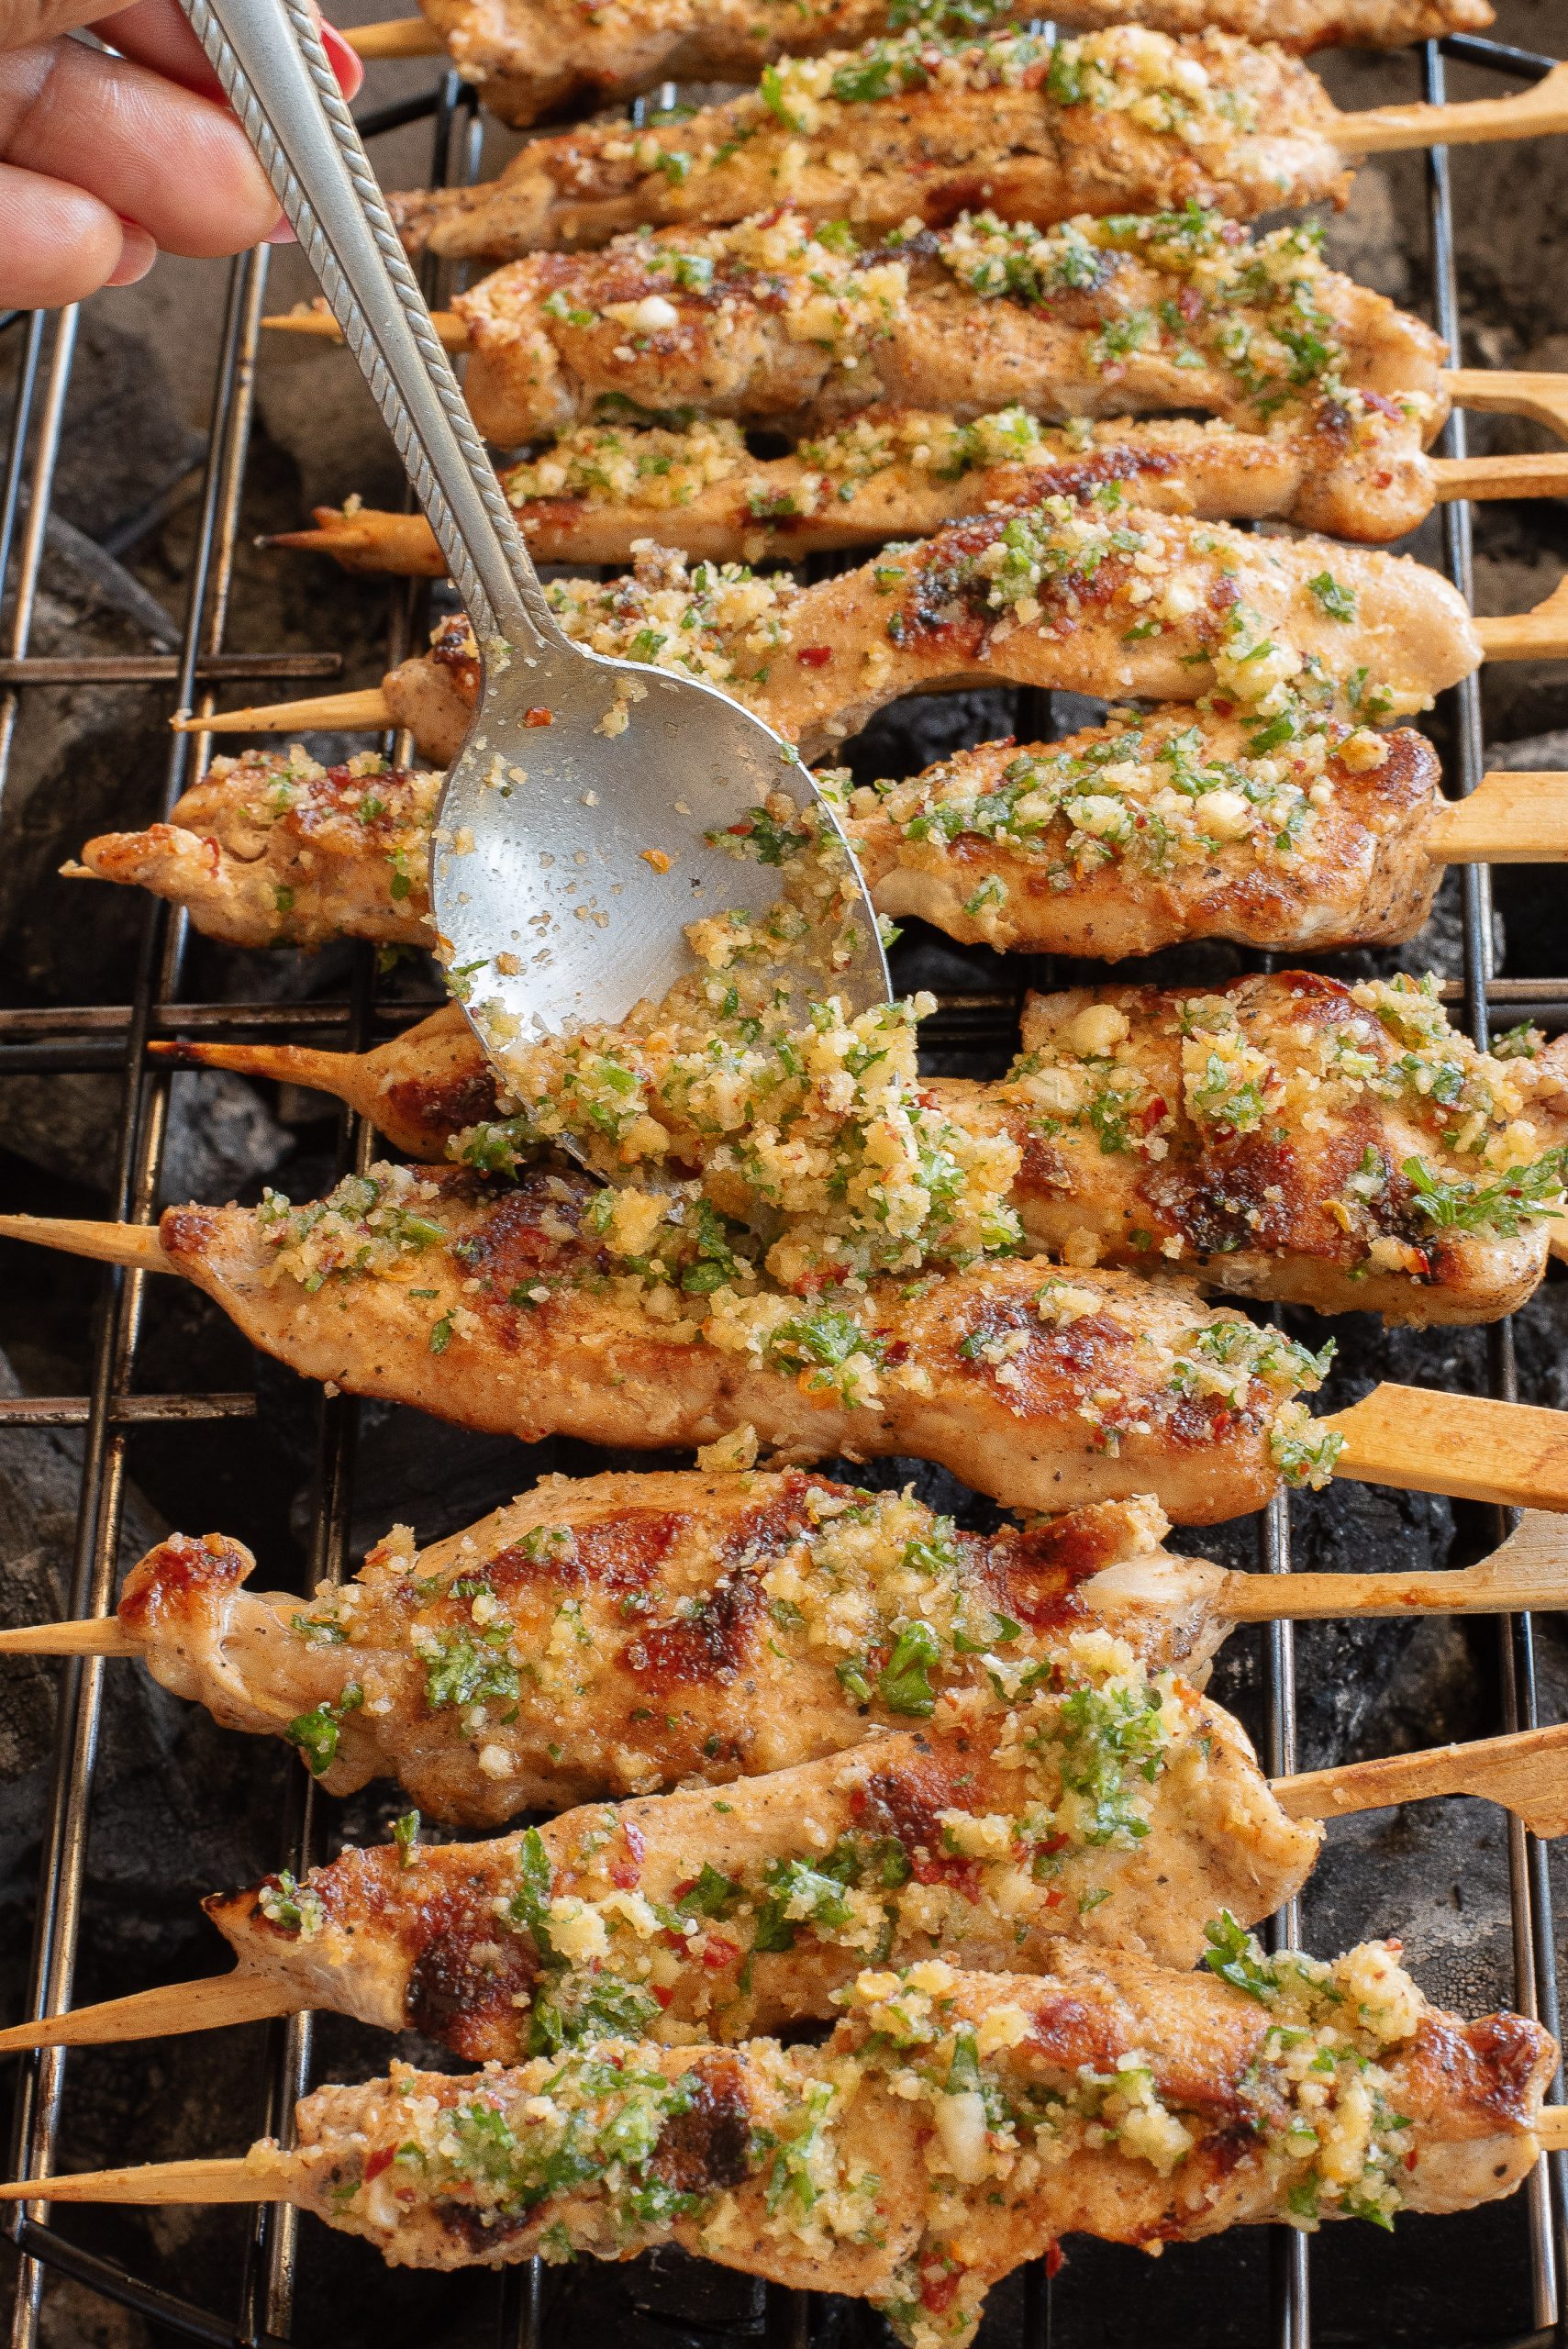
[[573, 841]]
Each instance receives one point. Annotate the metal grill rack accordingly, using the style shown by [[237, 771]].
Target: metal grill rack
[[261, 2311]]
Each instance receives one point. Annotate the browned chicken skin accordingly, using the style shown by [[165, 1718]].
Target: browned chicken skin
[[920, 129], [537, 58], [503, 1310], [706, 1655], [1207, 2123], [271, 849], [1107, 1808]]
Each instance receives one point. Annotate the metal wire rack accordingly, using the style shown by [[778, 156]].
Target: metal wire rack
[[111, 1407]]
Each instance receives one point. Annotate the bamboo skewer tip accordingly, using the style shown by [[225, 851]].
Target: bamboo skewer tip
[[240, 2178]]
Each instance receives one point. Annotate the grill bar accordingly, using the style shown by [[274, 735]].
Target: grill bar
[[115, 1037]]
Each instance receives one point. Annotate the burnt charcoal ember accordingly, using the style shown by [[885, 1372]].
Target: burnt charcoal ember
[[221, 1138]]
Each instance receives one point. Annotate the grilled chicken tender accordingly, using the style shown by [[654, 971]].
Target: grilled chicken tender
[[917, 127], [1288, 634], [1335, 1146], [954, 2126], [640, 1631], [773, 325], [535, 58], [1144, 832], [1106, 1807], [515, 1310], [1286, 1137], [887, 474]]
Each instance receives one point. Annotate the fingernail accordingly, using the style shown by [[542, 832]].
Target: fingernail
[[138, 254], [281, 235], [345, 62]]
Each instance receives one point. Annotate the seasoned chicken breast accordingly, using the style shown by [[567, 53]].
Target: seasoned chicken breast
[[508, 1310], [1106, 1807], [1285, 633], [888, 472], [1146, 832], [954, 2126], [770, 324], [535, 58], [647, 1631], [919, 127]]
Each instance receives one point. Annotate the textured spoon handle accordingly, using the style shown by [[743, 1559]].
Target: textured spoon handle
[[269, 58]]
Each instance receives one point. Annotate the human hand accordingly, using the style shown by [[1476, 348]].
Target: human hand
[[105, 160]]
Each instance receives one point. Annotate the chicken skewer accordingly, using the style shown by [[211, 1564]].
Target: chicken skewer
[[770, 323], [1107, 1806], [1289, 635], [701, 1598], [1162, 1125], [531, 58], [521, 1310], [746, 1913], [913, 128], [273, 849], [503, 1309], [891, 473], [952, 2126]]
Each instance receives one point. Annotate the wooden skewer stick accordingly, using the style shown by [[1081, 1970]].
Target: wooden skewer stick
[[1531, 114], [175, 2007], [1420, 1439], [1544, 475], [1529, 1570], [134, 1245], [247, 2178], [355, 713], [259, 2177], [1541, 634], [1524, 1773], [314, 319], [1508, 819], [1511, 391], [399, 37]]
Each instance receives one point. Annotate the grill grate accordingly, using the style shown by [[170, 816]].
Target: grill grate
[[113, 1037]]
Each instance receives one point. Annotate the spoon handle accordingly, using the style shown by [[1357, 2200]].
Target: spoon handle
[[269, 58]]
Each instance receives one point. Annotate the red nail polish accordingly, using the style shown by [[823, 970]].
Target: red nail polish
[[345, 62]]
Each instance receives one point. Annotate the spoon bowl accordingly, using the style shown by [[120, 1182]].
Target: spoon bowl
[[581, 829]]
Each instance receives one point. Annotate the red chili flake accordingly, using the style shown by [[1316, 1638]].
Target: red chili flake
[[1154, 1112], [1383, 403], [679, 1891], [814, 656], [939, 2289], [719, 1952], [1054, 2258], [1051, 1844], [897, 1353], [636, 1841], [672, 1940], [663, 1997], [539, 718], [382, 2158], [1410, 2158], [1054, 1899], [1222, 708], [625, 1876], [1189, 302]]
